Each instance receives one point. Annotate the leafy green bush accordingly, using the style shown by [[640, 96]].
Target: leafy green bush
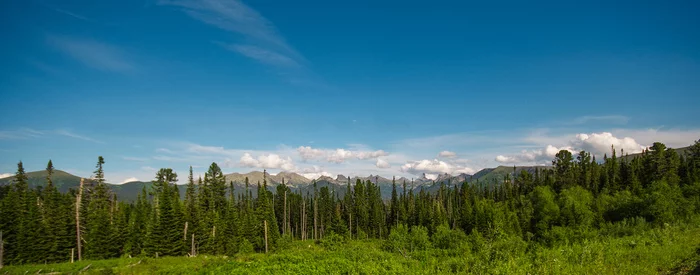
[[546, 210], [332, 241], [446, 238], [284, 242], [419, 238], [398, 240], [575, 204], [245, 247]]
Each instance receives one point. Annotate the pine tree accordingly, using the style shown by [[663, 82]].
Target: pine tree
[[98, 226]]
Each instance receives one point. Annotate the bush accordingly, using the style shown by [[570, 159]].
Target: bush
[[398, 240], [419, 238], [245, 247], [575, 204], [332, 241], [662, 203], [446, 238], [284, 242]]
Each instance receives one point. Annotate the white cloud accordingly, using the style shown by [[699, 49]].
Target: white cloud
[[370, 155], [464, 170], [314, 172], [134, 159], [264, 43], [617, 119], [269, 161], [129, 180], [426, 166], [307, 153], [600, 143], [595, 143], [6, 175], [447, 154], [383, 164], [164, 150], [673, 138], [72, 14], [541, 156], [339, 155], [23, 133], [434, 167], [97, 55], [263, 55], [26, 133]]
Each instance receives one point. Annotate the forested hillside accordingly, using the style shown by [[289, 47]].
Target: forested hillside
[[579, 199]]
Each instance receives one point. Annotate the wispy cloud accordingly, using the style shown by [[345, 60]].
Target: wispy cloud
[[74, 135], [263, 56], [93, 54], [134, 159], [262, 41], [6, 175], [23, 133], [27, 133], [614, 119], [72, 14]]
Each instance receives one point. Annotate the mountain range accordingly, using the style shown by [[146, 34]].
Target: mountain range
[[129, 191]]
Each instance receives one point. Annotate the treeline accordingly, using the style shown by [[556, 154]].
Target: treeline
[[576, 199]]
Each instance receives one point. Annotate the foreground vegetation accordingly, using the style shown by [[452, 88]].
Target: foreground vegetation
[[615, 216], [668, 250]]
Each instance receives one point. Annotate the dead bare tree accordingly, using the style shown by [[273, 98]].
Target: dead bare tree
[[265, 221], [78, 202]]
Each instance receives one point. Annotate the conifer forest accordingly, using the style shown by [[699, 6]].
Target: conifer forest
[[581, 214]]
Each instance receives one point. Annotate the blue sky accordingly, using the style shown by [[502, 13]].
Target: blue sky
[[329, 87]]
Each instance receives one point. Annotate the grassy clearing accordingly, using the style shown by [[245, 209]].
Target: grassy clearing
[[669, 250]]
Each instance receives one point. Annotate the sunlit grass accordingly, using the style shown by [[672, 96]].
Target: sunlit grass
[[653, 251]]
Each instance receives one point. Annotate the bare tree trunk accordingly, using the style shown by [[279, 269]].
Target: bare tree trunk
[[2, 249], [111, 209], [303, 217], [78, 201], [192, 252], [315, 218], [184, 236], [265, 221], [72, 254], [213, 232], [284, 224], [351, 226]]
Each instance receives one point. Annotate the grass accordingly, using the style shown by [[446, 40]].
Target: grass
[[669, 250]]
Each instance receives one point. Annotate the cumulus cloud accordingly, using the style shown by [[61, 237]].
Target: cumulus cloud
[[370, 155], [307, 153], [268, 161], [447, 154], [601, 143], [541, 156], [382, 164], [314, 172], [596, 143], [6, 175], [433, 167], [129, 180], [339, 155]]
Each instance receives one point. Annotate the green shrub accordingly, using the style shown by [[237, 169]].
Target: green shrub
[[284, 242], [332, 241], [446, 238], [419, 238], [245, 247], [399, 240]]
